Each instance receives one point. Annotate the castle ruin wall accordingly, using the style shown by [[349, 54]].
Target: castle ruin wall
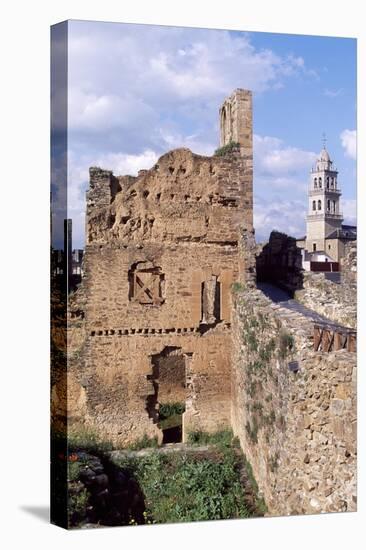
[[293, 409]]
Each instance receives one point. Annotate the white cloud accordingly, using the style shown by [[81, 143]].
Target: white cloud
[[136, 91], [349, 143], [132, 79], [281, 175], [93, 112], [275, 158], [333, 93], [282, 214], [349, 209], [174, 140]]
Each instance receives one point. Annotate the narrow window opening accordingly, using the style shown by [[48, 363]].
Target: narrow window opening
[[211, 301]]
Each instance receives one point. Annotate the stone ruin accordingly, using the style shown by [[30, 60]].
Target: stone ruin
[[163, 250], [279, 262], [168, 313]]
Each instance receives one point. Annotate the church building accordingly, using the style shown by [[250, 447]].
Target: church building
[[326, 235]]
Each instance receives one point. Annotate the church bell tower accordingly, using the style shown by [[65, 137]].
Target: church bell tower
[[324, 216]]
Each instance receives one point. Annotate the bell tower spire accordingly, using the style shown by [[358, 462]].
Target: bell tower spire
[[324, 140]]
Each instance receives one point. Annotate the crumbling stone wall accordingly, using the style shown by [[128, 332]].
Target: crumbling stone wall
[[293, 409], [349, 264], [279, 262], [163, 250], [337, 302]]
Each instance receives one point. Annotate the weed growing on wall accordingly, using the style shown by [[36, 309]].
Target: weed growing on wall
[[226, 149]]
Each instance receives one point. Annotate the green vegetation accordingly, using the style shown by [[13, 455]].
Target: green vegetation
[[273, 462], [87, 439], [222, 439], [252, 430], [228, 148], [170, 415], [74, 468], [265, 353], [77, 505], [144, 443], [189, 487], [258, 364], [251, 341], [192, 485], [286, 343], [260, 504], [170, 409], [237, 287]]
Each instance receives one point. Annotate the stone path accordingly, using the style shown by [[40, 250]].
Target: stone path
[[282, 298], [166, 449]]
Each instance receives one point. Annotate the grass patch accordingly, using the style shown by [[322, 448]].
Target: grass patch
[[188, 487], [226, 149], [143, 443], [88, 440], [222, 439]]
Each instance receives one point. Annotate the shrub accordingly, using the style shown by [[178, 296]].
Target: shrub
[[286, 343], [260, 504], [77, 505], [223, 438], [252, 431], [170, 409], [273, 462], [87, 439], [226, 149], [237, 287], [186, 487], [144, 443]]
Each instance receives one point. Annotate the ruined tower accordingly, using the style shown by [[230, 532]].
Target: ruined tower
[[162, 252], [236, 121]]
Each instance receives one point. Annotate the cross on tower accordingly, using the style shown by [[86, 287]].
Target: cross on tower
[[324, 139]]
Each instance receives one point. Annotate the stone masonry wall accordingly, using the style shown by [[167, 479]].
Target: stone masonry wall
[[279, 261], [293, 409], [349, 264], [162, 252], [337, 302]]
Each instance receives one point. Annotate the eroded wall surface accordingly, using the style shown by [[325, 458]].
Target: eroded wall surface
[[337, 302], [293, 409], [163, 250]]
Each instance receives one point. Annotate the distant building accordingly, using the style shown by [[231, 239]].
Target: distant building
[[58, 262], [326, 236], [68, 260]]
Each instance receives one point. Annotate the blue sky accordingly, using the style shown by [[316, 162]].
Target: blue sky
[[136, 91]]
